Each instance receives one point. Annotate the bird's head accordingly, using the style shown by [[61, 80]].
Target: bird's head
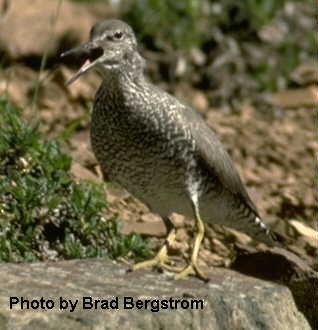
[[112, 47]]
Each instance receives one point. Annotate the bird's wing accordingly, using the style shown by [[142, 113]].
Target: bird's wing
[[215, 157]]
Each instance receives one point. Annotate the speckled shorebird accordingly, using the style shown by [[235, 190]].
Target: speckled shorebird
[[160, 149]]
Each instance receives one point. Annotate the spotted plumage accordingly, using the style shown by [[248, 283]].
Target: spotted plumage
[[156, 147]]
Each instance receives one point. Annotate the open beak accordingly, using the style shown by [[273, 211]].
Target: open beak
[[91, 52]]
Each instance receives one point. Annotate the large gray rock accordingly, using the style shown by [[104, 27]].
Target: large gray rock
[[33, 27], [284, 267], [231, 300]]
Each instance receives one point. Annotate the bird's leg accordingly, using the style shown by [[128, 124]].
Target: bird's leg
[[193, 268], [161, 257]]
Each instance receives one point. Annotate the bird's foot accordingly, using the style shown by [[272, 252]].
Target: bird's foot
[[192, 269], [159, 261]]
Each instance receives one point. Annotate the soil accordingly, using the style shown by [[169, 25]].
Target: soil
[[273, 150]]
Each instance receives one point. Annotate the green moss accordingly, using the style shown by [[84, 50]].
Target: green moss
[[44, 214]]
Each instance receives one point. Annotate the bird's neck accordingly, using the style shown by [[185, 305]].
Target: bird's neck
[[126, 75]]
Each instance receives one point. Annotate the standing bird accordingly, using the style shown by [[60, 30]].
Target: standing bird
[[160, 149]]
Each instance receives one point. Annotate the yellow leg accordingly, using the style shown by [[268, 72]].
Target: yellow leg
[[192, 268], [161, 257]]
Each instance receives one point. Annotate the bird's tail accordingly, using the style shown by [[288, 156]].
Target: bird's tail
[[261, 232]]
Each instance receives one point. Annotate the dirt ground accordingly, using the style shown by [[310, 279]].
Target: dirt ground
[[273, 149]]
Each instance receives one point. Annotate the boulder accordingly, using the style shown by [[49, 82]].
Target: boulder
[[31, 28], [43, 294], [284, 267]]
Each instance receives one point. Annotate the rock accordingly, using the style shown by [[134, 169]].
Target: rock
[[306, 73], [193, 97], [80, 172], [150, 217], [200, 101], [81, 149], [16, 83], [155, 228], [307, 233], [34, 27], [229, 301], [283, 267], [82, 89], [307, 97], [39, 97], [197, 56], [178, 220], [274, 32]]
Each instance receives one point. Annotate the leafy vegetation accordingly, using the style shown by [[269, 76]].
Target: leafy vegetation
[[44, 214], [157, 22], [87, 1], [232, 33]]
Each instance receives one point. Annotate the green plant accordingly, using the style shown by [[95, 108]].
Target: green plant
[[44, 58], [87, 1], [44, 214], [229, 32], [250, 15], [169, 21]]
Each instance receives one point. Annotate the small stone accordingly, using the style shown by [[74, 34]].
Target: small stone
[[301, 97], [178, 220]]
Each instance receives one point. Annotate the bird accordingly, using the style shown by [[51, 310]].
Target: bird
[[160, 149]]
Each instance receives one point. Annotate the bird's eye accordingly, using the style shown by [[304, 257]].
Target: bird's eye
[[118, 35]]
